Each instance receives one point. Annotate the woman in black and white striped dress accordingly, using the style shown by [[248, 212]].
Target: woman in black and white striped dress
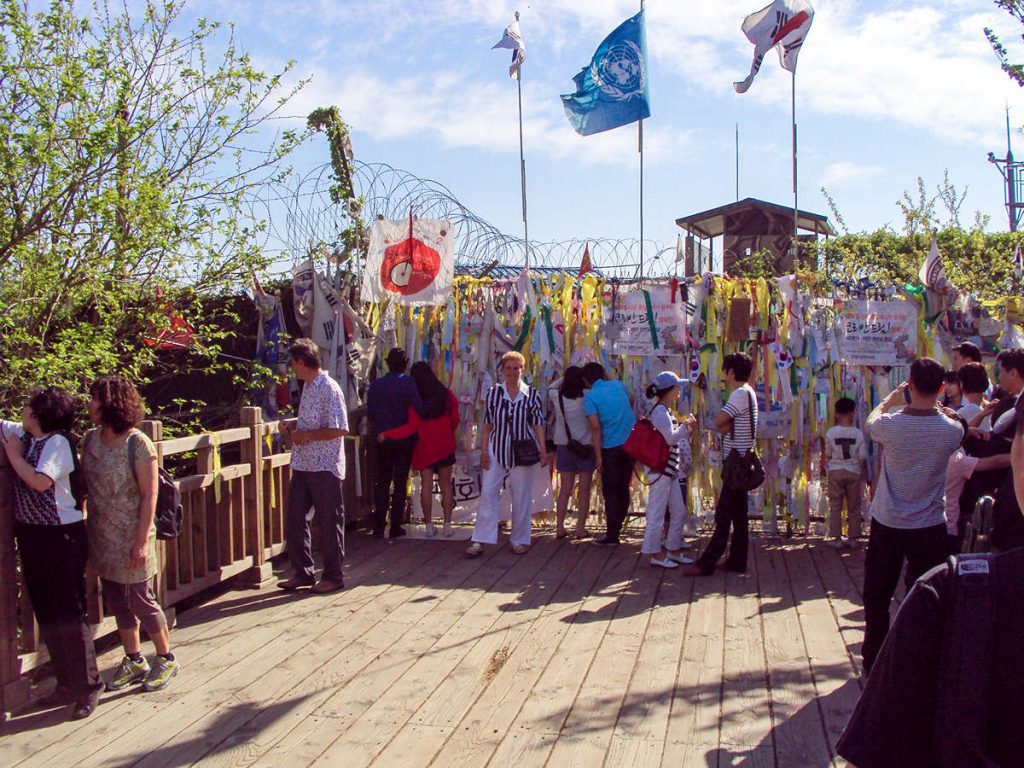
[[664, 492], [513, 412]]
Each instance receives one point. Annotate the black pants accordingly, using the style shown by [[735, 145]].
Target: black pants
[[1007, 521], [322, 492], [53, 565], [394, 457], [616, 471], [731, 511], [922, 548]]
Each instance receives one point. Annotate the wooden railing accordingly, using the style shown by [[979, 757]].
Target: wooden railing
[[233, 524]]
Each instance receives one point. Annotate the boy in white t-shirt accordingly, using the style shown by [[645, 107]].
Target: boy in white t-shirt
[[846, 453]]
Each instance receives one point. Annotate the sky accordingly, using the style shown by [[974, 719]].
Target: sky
[[886, 92]]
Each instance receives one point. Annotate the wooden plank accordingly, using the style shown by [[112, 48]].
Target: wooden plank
[[277, 460], [844, 598], [483, 626], [457, 693], [204, 635], [837, 690], [206, 440], [599, 699], [345, 688], [693, 728], [325, 634], [797, 726], [746, 707], [184, 540], [475, 708], [456, 648]]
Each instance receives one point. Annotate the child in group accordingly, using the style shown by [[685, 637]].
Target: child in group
[[846, 454], [664, 494]]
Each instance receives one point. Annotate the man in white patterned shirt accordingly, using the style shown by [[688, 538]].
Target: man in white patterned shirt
[[318, 469]]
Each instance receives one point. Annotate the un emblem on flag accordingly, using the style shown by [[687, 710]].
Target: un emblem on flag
[[620, 72]]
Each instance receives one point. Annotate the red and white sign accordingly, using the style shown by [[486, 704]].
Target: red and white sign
[[410, 262]]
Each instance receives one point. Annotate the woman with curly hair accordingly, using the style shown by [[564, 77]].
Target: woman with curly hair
[[120, 468], [49, 529]]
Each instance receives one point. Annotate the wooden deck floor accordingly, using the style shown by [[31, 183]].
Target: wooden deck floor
[[570, 655]]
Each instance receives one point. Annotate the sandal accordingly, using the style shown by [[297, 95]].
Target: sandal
[[580, 535], [475, 549], [561, 534], [520, 549]]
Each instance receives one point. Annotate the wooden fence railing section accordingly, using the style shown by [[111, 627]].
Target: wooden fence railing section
[[233, 524]]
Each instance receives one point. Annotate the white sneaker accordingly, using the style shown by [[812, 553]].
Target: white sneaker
[[668, 562], [430, 530], [448, 530], [835, 544], [680, 559]]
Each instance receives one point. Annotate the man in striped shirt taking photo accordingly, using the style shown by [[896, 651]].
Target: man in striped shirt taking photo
[[907, 512], [737, 422]]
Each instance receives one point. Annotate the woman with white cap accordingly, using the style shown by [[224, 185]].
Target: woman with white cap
[[664, 492]]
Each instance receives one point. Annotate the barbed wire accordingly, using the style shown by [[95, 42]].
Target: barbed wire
[[312, 218]]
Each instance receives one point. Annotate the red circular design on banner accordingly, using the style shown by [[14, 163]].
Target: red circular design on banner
[[409, 267]]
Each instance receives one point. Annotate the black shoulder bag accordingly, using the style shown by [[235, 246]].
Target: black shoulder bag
[[743, 471], [525, 453], [575, 446]]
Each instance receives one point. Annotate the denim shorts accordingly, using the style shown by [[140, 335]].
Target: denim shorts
[[567, 461]]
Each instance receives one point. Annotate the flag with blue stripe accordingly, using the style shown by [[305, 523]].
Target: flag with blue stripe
[[613, 90]]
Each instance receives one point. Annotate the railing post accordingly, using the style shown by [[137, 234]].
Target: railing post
[[255, 512], [14, 688], [154, 430]]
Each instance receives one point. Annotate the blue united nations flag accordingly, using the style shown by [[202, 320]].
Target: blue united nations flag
[[613, 90]]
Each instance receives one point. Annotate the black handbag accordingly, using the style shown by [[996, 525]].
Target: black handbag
[[575, 446], [525, 453], [743, 471]]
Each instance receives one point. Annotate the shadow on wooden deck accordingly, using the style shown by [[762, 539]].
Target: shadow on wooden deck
[[570, 654]]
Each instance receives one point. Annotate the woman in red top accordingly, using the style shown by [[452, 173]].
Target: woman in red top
[[435, 446]]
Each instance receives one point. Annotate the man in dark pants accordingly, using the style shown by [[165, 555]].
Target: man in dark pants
[[907, 511], [737, 422], [318, 469], [388, 401], [606, 405]]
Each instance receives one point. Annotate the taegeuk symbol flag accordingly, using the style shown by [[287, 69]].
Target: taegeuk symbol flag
[[784, 25], [410, 262]]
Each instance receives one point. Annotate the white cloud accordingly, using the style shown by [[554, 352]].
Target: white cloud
[[846, 173], [914, 63], [484, 116]]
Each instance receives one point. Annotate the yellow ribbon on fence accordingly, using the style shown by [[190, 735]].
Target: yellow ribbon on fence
[[270, 449]]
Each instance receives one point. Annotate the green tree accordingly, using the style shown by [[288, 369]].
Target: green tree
[[1016, 71], [133, 151]]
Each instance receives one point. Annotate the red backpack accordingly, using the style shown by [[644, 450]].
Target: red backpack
[[647, 445]]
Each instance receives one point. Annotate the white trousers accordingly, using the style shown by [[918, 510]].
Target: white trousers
[[520, 485], [663, 494]]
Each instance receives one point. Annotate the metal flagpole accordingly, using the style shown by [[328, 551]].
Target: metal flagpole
[[796, 214], [522, 162], [737, 162], [640, 126], [640, 140]]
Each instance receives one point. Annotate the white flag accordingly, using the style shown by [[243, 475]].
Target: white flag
[[932, 275], [411, 262], [513, 39], [783, 25], [679, 249]]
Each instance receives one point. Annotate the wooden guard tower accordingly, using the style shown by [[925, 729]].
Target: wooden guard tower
[[747, 226]]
